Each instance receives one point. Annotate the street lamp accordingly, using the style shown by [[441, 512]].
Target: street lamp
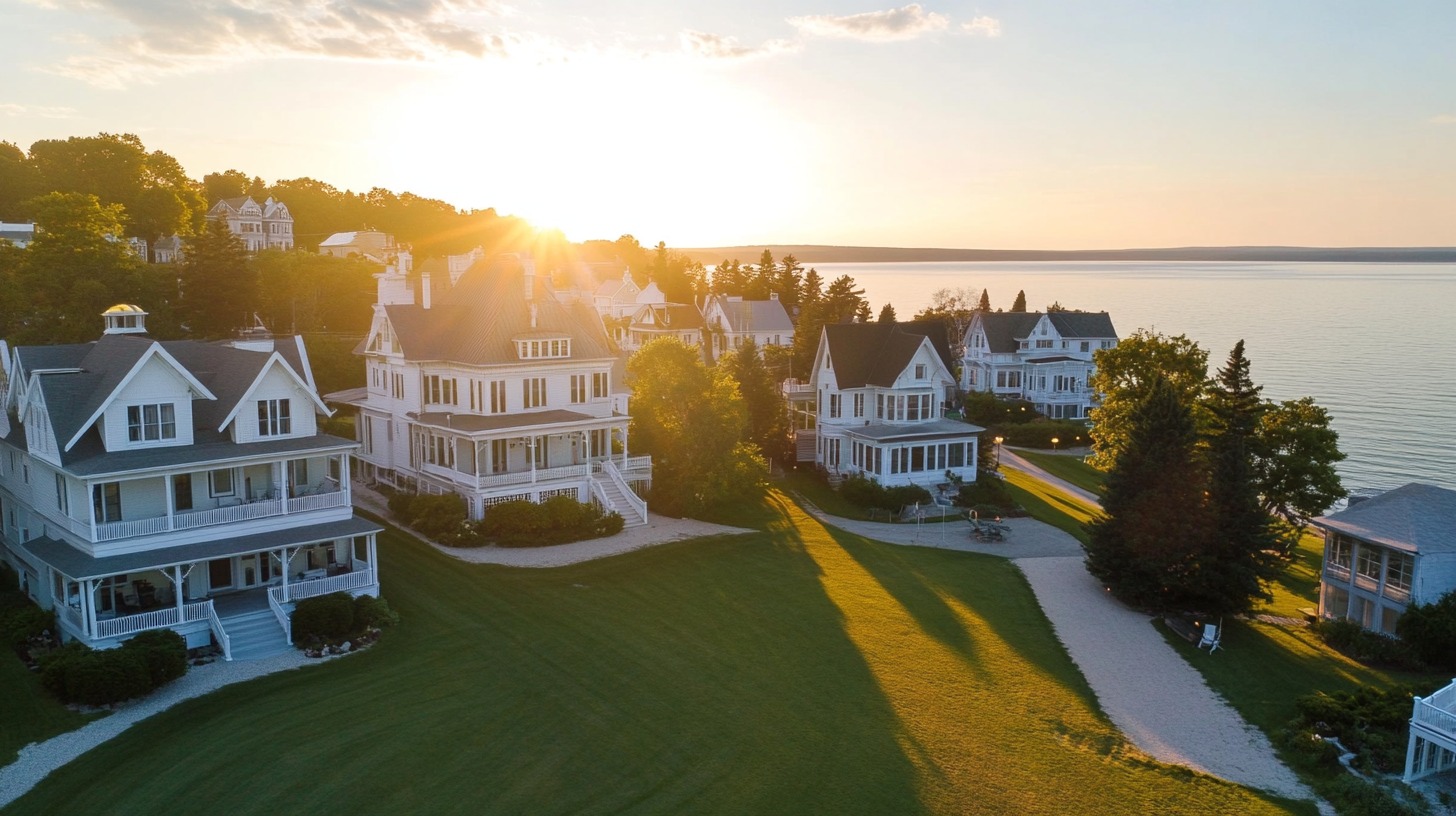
[[1054, 444], [999, 440]]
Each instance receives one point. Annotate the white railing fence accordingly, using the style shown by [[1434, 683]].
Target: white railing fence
[[223, 638], [155, 619], [281, 614], [112, 530], [637, 503], [323, 586], [530, 476]]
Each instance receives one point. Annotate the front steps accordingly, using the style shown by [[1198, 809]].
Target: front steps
[[618, 503], [255, 635]]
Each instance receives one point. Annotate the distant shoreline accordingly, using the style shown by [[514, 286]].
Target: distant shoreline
[[811, 254]]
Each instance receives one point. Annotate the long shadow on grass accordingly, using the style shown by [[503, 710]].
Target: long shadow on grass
[[705, 677]]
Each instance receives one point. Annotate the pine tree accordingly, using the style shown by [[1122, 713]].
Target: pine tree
[[985, 304], [1147, 544], [219, 285], [1019, 305], [887, 314], [1241, 537]]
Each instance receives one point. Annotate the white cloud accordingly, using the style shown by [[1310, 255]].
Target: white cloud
[[716, 46], [37, 111], [905, 23], [983, 27], [169, 37]]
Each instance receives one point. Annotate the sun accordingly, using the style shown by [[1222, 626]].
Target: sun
[[604, 145]]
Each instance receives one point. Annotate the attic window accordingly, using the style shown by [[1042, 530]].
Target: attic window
[[151, 423], [543, 349]]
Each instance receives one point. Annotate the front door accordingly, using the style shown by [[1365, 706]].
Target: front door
[[220, 573]]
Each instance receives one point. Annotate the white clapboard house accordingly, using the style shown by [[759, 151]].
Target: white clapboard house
[[1045, 359]]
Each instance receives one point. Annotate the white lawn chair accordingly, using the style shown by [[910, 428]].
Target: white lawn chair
[[1211, 637]]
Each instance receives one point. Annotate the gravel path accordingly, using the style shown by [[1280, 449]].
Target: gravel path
[[1028, 538], [1147, 689], [1010, 459], [38, 759]]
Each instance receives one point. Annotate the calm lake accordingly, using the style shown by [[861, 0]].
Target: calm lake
[[1372, 343]]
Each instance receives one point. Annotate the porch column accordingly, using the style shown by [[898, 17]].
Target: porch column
[[91, 500], [171, 490], [283, 484], [531, 455], [624, 447], [373, 562], [345, 476], [177, 589], [476, 443], [88, 599]]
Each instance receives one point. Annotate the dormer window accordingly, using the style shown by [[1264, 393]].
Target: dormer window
[[273, 418], [543, 349], [920, 371], [151, 423]]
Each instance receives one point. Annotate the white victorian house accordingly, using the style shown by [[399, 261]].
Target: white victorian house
[[878, 398], [489, 385], [1045, 359], [260, 226], [732, 320], [179, 485]]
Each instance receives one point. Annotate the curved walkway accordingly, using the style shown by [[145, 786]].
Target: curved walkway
[[38, 759], [1009, 458]]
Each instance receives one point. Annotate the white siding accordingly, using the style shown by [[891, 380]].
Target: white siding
[[1435, 576], [156, 382], [276, 384]]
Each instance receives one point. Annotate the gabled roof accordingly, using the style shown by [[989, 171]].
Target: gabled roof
[[476, 322], [112, 364], [1002, 329], [1077, 325], [754, 315], [876, 353], [1416, 518], [668, 317]]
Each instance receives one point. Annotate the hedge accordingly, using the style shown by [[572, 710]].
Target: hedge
[[516, 523], [337, 617], [77, 673], [865, 492]]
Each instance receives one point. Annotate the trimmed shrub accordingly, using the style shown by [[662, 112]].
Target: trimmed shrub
[[78, 674], [985, 408], [21, 623], [1069, 433], [1350, 639], [558, 520], [163, 651], [437, 515], [1429, 630], [986, 490], [865, 492], [324, 618], [373, 613]]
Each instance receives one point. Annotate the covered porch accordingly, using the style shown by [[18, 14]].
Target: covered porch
[[481, 453], [911, 454], [192, 589], [1432, 746]]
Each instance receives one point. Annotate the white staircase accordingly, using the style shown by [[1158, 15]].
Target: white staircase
[[617, 501], [805, 442], [255, 635]]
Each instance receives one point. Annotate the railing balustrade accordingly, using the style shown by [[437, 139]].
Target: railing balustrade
[[318, 501], [112, 530], [529, 477], [223, 638], [281, 614], [155, 619], [610, 469], [298, 590]]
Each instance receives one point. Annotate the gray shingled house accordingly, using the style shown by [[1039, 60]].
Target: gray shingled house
[[182, 485]]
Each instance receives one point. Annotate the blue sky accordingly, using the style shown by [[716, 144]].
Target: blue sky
[[1014, 125]]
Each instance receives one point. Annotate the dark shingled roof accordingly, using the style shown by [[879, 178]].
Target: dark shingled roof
[[77, 564], [1412, 518], [755, 315], [476, 322], [671, 317], [875, 353], [1004, 329]]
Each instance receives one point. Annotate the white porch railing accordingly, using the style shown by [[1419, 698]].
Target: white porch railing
[[299, 590], [110, 531], [532, 476], [155, 619], [223, 638], [281, 614], [610, 469], [635, 465]]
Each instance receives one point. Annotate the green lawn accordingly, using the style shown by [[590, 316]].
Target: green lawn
[[1048, 504], [795, 670], [30, 715], [1068, 468]]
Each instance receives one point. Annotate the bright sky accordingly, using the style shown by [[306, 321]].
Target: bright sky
[[1001, 124]]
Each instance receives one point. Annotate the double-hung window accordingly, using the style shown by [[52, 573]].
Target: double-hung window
[[599, 385], [533, 390], [273, 418], [151, 423], [578, 388], [106, 502]]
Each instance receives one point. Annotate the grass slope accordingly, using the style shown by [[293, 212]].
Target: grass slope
[[797, 670], [28, 714], [1067, 468], [1048, 504]]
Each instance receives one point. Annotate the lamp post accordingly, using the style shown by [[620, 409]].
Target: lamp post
[[1054, 444], [999, 440]]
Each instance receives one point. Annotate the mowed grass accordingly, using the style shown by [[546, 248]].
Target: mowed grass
[[1297, 587], [1068, 468], [27, 713], [1048, 504], [795, 670]]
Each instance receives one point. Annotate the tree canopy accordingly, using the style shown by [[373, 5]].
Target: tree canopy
[[1125, 375]]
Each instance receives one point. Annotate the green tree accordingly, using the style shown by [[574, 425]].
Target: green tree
[[767, 415], [790, 284], [954, 308], [219, 284], [1019, 305], [1147, 544], [231, 184], [887, 313], [1295, 455], [1125, 374], [692, 421], [156, 196], [19, 182], [1239, 556], [76, 268], [301, 292], [985, 303], [812, 290]]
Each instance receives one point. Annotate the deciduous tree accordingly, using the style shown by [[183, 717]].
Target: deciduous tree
[[1125, 374], [1295, 456]]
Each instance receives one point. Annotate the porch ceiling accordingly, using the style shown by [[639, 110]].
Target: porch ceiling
[[78, 565]]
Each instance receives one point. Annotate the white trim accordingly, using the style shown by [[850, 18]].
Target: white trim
[[273, 358]]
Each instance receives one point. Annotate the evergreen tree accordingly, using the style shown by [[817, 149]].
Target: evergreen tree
[[1019, 305], [1241, 539], [862, 313], [219, 285], [812, 290], [887, 313], [1146, 545], [985, 304], [790, 283], [767, 415]]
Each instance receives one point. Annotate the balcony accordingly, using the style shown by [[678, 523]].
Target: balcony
[[243, 511]]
